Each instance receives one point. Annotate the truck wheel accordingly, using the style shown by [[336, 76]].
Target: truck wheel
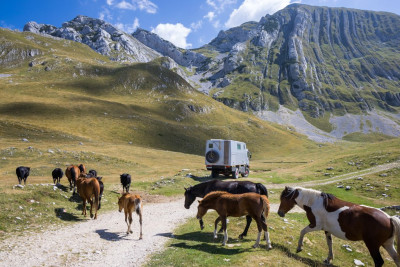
[[212, 156], [246, 172], [235, 174], [214, 174]]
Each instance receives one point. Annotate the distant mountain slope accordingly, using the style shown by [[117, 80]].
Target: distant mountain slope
[[56, 89], [334, 71]]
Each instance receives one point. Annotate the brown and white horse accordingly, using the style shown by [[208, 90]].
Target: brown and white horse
[[129, 203], [236, 205], [345, 220]]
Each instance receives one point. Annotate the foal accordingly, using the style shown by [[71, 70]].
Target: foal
[[128, 203], [89, 190], [236, 205], [345, 220]]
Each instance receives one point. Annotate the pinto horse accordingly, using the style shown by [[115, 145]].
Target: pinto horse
[[233, 187], [89, 190], [128, 203], [236, 205], [72, 172], [345, 220]]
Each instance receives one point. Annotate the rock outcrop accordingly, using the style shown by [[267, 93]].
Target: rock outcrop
[[100, 36]]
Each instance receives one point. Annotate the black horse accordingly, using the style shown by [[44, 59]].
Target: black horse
[[233, 187]]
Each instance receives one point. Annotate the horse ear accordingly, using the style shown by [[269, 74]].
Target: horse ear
[[185, 188]]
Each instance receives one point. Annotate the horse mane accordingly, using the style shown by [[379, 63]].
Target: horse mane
[[326, 197]]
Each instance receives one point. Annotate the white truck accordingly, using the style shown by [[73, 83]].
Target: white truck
[[227, 157]]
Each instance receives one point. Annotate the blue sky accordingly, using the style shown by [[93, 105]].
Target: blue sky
[[186, 23]]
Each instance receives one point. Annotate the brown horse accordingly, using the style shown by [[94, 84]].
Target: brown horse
[[345, 220], [82, 168], [236, 205], [89, 190], [128, 203], [72, 172]]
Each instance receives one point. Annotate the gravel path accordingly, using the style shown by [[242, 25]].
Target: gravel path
[[104, 242], [101, 242]]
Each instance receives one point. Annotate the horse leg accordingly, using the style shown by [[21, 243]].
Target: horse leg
[[373, 249], [84, 207], [216, 226], [389, 246], [266, 233], [248, 222], [126, 220], [224, 222], [330, 253], [140, 221], [130, 223], [257, 244], [91, 207], [306, 230]]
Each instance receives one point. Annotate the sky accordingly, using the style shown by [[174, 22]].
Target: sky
[[185, 23]]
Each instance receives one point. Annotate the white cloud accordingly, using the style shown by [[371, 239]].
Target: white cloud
[[253, 10], [105, 15], [128, 28], [175, 33], [145, 5], [196, 25], [210, 16], [220, 5]]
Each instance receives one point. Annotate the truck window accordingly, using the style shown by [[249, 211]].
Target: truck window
[[210, 145], [238, 146]]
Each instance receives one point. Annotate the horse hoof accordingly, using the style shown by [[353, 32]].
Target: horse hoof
[[327, 262], [223, 244], [256, 246], [215, 237], [298, 250], [241, 236], [131, 232], [269, 247], [140, 237]]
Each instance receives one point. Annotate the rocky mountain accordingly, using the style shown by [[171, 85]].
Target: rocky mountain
[[100, 36], [326, 72]]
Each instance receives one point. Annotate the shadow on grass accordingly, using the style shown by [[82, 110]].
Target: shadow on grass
[[67, 216], [208, 243], [62, 187], [109, 236], [297, 257]]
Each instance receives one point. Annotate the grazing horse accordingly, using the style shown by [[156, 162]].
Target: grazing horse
[[57, 174], [128, 203], [236, 205], [72, 172], [89, 190], [93, 174], [125, 181], [233, 187], [345, 220], [22, 173]]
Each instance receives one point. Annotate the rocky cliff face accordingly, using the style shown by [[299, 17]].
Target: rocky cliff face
[[317, 59], [100, 36]]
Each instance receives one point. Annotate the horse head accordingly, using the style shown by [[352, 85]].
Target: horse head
[[288, 200], [120, 203], [201, 211], [189, 197]]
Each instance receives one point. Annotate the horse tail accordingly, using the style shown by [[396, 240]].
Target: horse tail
[[138, 205], [262, 189], [396, 224], [265, 203]]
